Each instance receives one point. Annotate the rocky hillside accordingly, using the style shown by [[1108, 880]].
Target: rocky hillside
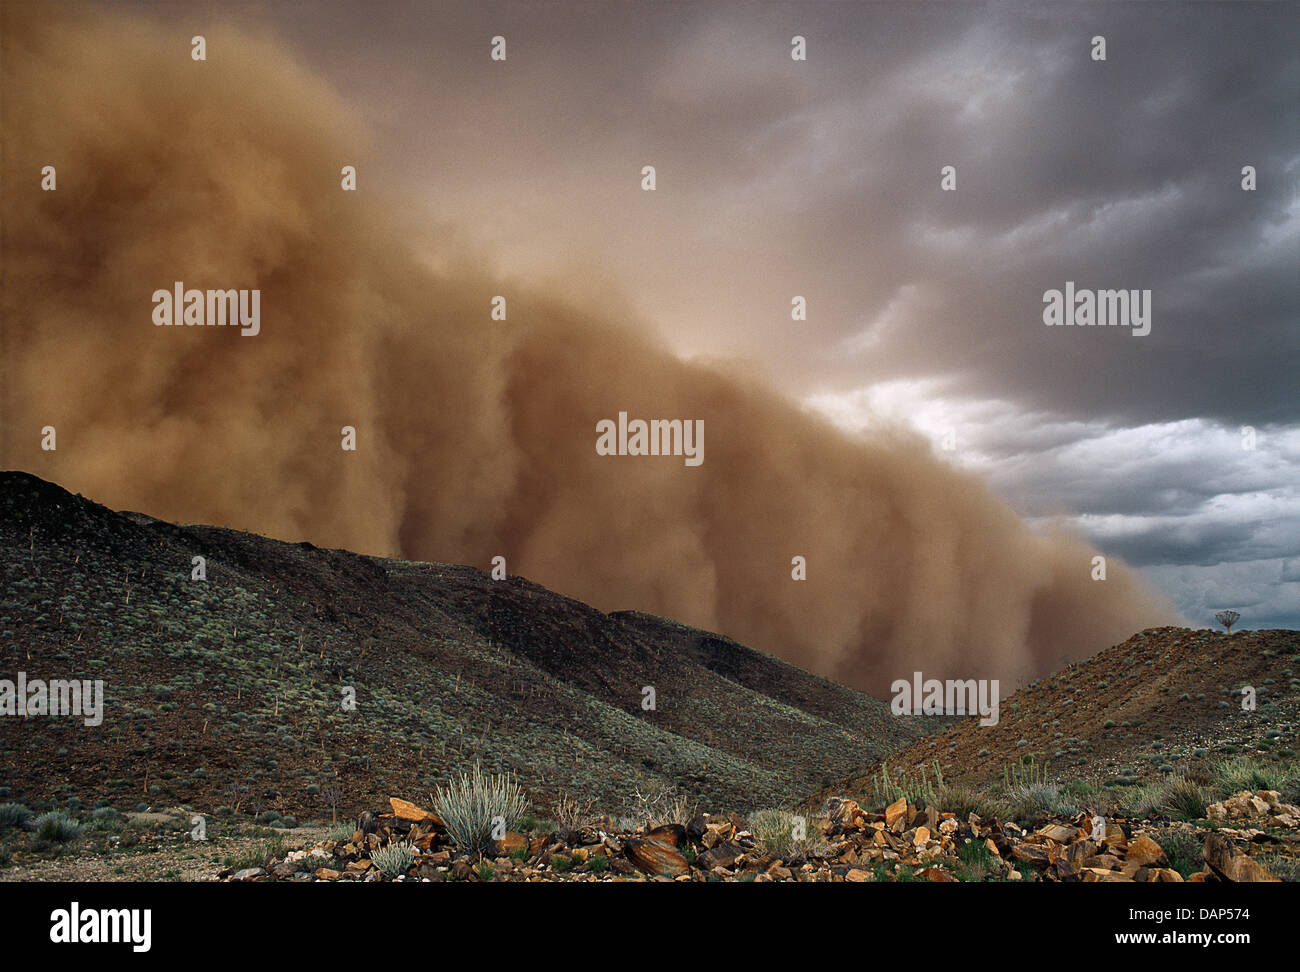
[[1168, 701], [233, 691]]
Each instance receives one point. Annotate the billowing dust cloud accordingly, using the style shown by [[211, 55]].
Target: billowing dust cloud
[[475, 437]]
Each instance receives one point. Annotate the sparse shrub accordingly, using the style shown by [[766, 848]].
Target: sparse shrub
[[568, 812], [259, 856], [663, 806], [393, 859], [963, 799], [1142, 801], [56, 827], [1183, 848], [106, 818], [976, 861], [14, 815], [1184, 799], [1037, 800], [1231, 776], [1281, 866], [468, 805], [559, 863], [773, 831]]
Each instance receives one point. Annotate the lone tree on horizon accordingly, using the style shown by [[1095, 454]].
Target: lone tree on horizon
[[1227, 619]]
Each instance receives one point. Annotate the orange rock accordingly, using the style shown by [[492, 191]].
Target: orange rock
[[1165, 875], [655, 858], [936, 874], [405, 810], [509, 844], [1144, 850], [856, 875], [895, 812]]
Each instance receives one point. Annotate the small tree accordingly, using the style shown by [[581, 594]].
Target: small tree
[[1227, 619], [330, 796]]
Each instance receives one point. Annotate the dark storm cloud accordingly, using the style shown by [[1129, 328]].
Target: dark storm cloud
[[822, 179]]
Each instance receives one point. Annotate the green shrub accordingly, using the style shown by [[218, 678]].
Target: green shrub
[[976, 861], [1037, 800], [1184, 799], [963, 799], [469, 805], [56, 827], [13, 815], [394, 859], [1183, 848], [773, 831], [1231, 776]]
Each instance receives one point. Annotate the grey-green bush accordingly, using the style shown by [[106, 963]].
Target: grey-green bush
[[393, 860], [56, 827], [469, 805], [13, 815]]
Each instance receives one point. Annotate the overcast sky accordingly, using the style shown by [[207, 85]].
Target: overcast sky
[[821, 179]]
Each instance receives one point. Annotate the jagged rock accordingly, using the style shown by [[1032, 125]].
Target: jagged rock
[[327, 874], [856, 875], [368, 822], [655, 858], [697, 827], [248, 873], [845, 815], [1145, 851], [724, 855], [405, 810], [1232, 864], [895, 812], [671, 834], [1059, 833]]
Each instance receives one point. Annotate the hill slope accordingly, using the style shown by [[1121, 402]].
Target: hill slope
[[228, 690], [1165, 700]]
